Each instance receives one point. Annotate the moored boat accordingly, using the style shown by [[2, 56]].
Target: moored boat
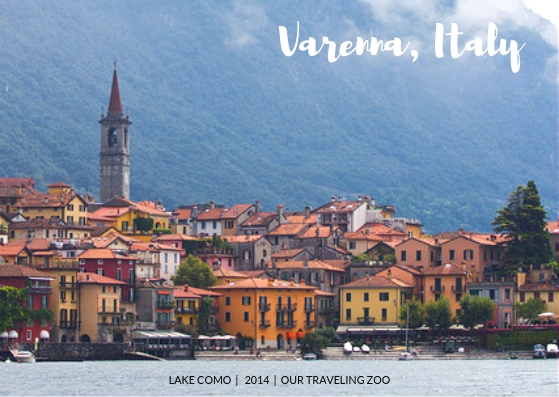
[[23, 356]]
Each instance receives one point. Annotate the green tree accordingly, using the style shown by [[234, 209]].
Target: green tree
[[313, 343], [11, 307], [476, 310], [204, 314], [327, 332], [438, 314], [524, 220], [417, 313], [194, 272], [530, 309]]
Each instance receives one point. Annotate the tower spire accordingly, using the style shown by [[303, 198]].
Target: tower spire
[[115, 106]]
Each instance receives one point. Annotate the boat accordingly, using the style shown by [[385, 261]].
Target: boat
[[406, 355], [23, 356], [365, 349], [348, 347], [552, 350], [309, 356], [539, 351]]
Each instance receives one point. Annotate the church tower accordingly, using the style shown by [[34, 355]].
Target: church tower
[[115, 148]]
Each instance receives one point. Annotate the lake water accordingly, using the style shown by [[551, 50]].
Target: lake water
[[309, 378]]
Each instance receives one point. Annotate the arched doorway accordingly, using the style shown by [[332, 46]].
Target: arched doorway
[[63, 339], [280, 342], [85, 338]]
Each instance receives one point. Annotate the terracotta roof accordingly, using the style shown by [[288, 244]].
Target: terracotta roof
[[104, 253], [254, 273], [203, 292], [104, 242], [94, 278], [59, 184], [210, 214], [45, 224], [447, 269], [21, 271], [299, 217], [319, 292], [316, 264], [153, 246], [553, 227], [317, 232], [261, 283], [38, 244], [381, 229], [183, 292], [538, 287], [245, 238], [17, 182], [235, 211], [175, 237], [97, 216], [11, 249], [376, 282], [340, 206], [287, 253], [183, 214], [260, 219], [120, 205], [337, 263], [220, 272], [47, 200], [288, 229]]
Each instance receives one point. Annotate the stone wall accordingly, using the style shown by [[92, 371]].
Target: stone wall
[[79, 351]]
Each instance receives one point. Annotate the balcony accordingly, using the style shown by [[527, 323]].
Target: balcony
[[265, 324], [287, 325], [69, 324], [287, 308], [39, 290], [165, 305], [71, 265], [164, 325], [67, 285], [366, 320], [457, 289], [186, 310], [309, 324], [325, 310], [264, 307], [214, 309], [309, 308], [437, 289]]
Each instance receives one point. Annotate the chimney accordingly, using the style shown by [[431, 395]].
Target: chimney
[[212, 204], [292, 281], [359, 198], [307, 212], [333, 199], [194, 212], [280, 214], [270, 282], [257, 205], [340, 198], [302, 281]]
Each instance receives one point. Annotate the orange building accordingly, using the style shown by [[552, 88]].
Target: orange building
[[447, 280]]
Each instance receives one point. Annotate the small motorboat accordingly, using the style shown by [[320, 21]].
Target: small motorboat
[[23, 356], [309, 356], [348, 347], [365, 349]]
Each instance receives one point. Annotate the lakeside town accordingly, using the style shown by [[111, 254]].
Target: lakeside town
[[121, 276]]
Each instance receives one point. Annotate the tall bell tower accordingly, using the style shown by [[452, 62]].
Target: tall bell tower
[[115, 148]]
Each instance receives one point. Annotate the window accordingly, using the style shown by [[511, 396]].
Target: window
[[348, 314], [384, 314], [115, 306], [28, 334], [522, 297], [214, 225], [70, 220], [82, 208], [536, 295], [451, 255], [468, 255], [550, 297], [417, 255], [100, 261], [348, 297], [404, 256], [203, 226], [119, 274], [458, 297], [228, 224], [125, 225], [507, 294], [245, 317], [227, 301], [383, 296], [366, 297], [246, 301], [103, 289], [70, 207], [493, 294], [103, 306], [352, 245], [62, 296]]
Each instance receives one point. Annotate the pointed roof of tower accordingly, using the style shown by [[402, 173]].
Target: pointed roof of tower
[[115, 106]]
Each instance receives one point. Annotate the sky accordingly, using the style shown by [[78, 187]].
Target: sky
[[545, 8]]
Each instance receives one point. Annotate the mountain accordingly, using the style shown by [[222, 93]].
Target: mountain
[[219, 113]]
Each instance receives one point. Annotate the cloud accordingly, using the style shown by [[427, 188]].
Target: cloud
[[472, 16], [245, 21]]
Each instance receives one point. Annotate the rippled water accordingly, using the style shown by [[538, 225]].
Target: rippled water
[[420, 378]]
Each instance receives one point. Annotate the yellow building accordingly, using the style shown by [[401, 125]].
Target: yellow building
[[187, 306], [274, 313], [372, 300], [537, 284], [99, 302], [15, 253]]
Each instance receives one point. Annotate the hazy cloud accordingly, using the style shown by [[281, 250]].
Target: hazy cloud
[[245, 21]]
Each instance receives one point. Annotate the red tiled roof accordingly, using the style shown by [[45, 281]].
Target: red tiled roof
[[47, 200], [288, 229], [287, 253], [17, 182], [235, 211], [448, 269], [260, 219], [376, 282], [59, 184], [340, 206], [316, 264], [21, 271], [260, 283], [203, 292], [175, 237], [104, 253], [183, 292], [11, 249], [94, 278], [317, 232], [538, 287], [319, 292], [254, 273], [183, 214], [245, 238], [228, 273]]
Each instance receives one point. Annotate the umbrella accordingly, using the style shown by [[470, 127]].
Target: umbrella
[[203, 337], [548, 314]]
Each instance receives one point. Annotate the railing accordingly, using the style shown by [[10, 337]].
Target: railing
[[264, 307], [265, 324], [292, 324], [456, 288], [191, 310], [69, 324], [365, 320], [309, 324], [164, 326], [108, 311], [287, 308], [57, 265], [39, 290], [162, 305], [309, 308], [439, 288], [325, 310], [68, 285]]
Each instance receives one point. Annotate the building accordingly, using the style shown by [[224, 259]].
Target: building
[[540, 282], [273, 313], [39, 295], [372, 301], [251, 251], [188, 302], [349, 216], [99, 302], [155, 304], [115, 148], [447, 280], [419, 252], [501, 291]]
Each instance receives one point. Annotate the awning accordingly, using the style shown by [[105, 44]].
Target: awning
[[290, 335], [300, 334], [4, 334], [13, 334], [44, 334]]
